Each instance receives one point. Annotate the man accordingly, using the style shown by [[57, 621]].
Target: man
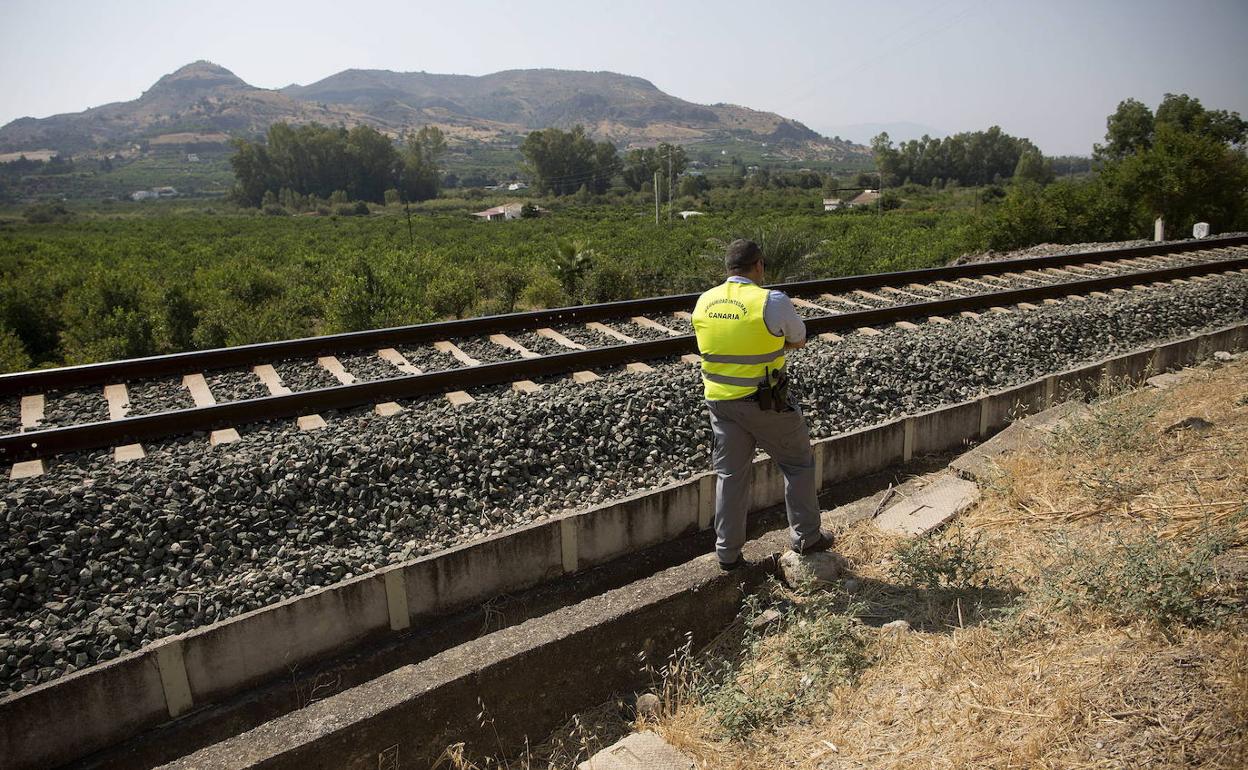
[[743, 331]]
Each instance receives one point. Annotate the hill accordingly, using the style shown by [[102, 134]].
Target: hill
[[208, 102]]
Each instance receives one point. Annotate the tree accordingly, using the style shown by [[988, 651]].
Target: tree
[[1128, 130], [1033, 167], [1185, 167], [570, 262], [640, 166], [561, 162], [420, 178]]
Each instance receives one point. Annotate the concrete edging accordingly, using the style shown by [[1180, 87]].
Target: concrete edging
[[174, 676]]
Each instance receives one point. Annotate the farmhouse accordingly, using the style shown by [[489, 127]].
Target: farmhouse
[[833, 204], [512, 210], [866, 198]]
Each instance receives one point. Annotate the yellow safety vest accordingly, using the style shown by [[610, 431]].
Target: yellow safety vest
[[737, 347]]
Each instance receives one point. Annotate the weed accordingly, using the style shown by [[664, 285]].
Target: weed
[[1163, 581], [816, 643], [952, 560]]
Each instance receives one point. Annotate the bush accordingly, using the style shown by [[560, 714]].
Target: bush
[[43, 213], [948, 561], [13, 357], [1164, 582], [274, 210]]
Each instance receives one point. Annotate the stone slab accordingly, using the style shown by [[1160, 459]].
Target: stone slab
[[27, 469], [639, 751], [980, 463], [223, 436], [580, 378], [124, 454], [459, 398], [929, 509], [311, 422], [387, 409], [525, 386], [1165, 381], [638, 367]]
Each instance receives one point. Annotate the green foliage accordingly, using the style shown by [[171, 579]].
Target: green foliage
[[562, 162], [571, 260], [972, 158], [640, 166], [1164, 582], [948, 561], [212, 279], [43, 213], [823, 646], [315, 161], [13, 356]]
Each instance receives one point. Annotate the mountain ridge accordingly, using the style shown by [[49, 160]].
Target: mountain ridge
[[204, 97]]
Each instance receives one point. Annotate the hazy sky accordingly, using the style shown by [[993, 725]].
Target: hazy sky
[[1050, 70]]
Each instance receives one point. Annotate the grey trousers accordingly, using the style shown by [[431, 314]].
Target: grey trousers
[[739, 426]]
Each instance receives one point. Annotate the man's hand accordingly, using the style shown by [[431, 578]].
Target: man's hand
[[794, 345]]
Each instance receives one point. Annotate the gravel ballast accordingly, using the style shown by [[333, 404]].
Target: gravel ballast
[[97, 558]]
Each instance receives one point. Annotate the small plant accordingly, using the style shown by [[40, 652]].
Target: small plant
[[1146, 577], [951, 560], [813, 644]]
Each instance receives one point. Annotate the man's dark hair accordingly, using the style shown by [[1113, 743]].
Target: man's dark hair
[[741, 255]]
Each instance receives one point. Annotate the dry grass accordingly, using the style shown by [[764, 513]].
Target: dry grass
[[1097, 625]]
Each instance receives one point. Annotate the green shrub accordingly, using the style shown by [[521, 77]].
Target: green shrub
[[950, 560]]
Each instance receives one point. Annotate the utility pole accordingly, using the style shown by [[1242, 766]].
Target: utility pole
[[669, 184], [656, 197]]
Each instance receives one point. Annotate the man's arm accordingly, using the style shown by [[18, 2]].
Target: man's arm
[[782, 320]]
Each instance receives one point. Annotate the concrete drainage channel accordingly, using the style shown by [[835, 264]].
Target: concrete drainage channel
[[394, 634]]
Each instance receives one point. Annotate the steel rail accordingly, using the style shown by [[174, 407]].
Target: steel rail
[[60, 378], [54, 441]]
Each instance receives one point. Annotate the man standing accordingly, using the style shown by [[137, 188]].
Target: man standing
[[743, 331]]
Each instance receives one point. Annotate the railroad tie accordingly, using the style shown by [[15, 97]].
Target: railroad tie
[[551, 334], [901, 292], [32, 411], [842, 300], [445, 346], [202, 396], [118, 407], [906, 325], [332, 365], [936, 319], [31, 416], [503, 341], [400, 362], [830, 337], [638, 367], [269, 376], [874, 297], [397, 360], [799, 302], [641, 320], [608, 331]]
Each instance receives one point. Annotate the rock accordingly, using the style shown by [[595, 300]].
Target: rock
[[851, 586], [648, 706], [1222, 355], [1194, 424], [765, 618], [823, 567], [896, 628]]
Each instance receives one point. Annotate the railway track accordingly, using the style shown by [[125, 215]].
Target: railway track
[[379, 366]]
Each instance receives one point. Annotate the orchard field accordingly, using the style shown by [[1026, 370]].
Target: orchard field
[[90, 287]]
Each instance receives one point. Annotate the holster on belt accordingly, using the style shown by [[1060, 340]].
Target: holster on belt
[[773, 393]]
